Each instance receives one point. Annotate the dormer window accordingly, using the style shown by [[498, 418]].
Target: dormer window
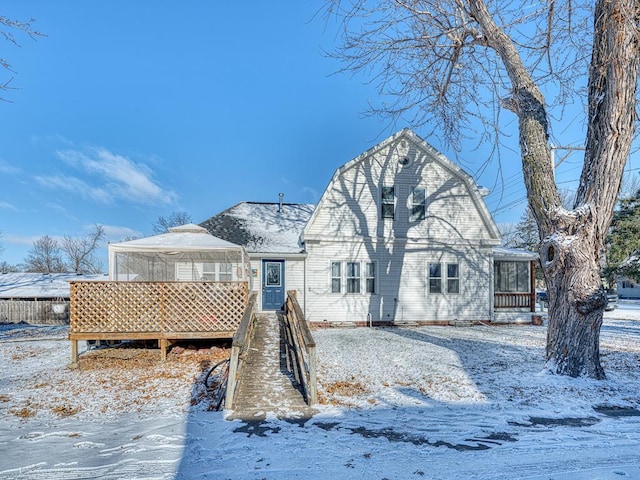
[[388, 202]]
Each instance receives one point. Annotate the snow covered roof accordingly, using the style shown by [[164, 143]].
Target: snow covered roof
[[185, 237], [513, 254], [262, 227], [40, 285]]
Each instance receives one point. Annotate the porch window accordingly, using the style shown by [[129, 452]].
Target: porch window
[[388, 202], [511, 277], [225, 273], [216, 272], [370, 277], [353, 277], [435, 278], [418, 203], [209, 272], [336, 277], [453, 278]]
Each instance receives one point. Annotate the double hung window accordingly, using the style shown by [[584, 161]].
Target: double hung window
[[336, 277], [437, 282], [418, 204], [353, 277], [388, 202]]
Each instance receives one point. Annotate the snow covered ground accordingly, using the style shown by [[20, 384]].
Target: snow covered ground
[[411, 403]]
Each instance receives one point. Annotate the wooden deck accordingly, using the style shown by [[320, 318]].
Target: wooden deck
[[163, 311], [267, 385]]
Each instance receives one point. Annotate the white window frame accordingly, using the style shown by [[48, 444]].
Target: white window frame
[[337, 278], [353, 279], [215, 270], [373, 277], [363, 278], [454, 278], [421, 205], [430, 278], [384, 202]]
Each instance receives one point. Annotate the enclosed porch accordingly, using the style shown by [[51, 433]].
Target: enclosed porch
[[185, 284], [514, 280]]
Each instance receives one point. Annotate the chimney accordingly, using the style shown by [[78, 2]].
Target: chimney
[[281, 197]]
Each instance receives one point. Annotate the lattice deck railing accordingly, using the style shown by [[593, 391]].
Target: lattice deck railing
[[149, 307]]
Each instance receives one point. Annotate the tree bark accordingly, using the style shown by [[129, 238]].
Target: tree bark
[[572, 252], [573, 241]]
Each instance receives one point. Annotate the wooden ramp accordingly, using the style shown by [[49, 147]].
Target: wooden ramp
[[268, 385]]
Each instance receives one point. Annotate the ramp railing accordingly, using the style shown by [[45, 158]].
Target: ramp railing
[[304, 347], [239, 347]]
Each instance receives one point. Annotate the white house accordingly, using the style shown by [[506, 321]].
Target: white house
[[400, 235]]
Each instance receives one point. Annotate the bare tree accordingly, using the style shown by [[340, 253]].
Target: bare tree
[[80, 251], [7, 29], [44, 257], [174, 219], [7, 267], [451, 62]]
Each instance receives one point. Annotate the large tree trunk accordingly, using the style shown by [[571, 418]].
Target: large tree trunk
[[576, 299], [573, 241], [571, 253]]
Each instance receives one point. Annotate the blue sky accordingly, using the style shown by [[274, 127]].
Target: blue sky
[[126, 111]]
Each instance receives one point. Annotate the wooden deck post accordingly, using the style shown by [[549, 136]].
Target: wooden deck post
[[163, 348], [74, 351]]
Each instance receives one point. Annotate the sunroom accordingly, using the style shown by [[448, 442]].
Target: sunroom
[[182, 284], [514, 284]]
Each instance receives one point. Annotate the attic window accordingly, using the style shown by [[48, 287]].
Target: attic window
[[404, 161], [388, 202]]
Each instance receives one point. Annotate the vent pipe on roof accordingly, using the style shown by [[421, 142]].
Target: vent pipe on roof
[[281, 197]]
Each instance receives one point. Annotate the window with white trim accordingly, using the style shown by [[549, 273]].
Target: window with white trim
[[418, 204], [353, 277], [435, 278], [370, 277], [217, 272], [336, 277], [388, 202], [453, 278], [225, 272]]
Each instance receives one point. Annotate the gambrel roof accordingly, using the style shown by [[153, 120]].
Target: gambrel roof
[[404, 147]]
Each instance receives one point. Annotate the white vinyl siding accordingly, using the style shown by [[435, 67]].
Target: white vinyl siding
[[401, 284], [349, 225], [350, 208]]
